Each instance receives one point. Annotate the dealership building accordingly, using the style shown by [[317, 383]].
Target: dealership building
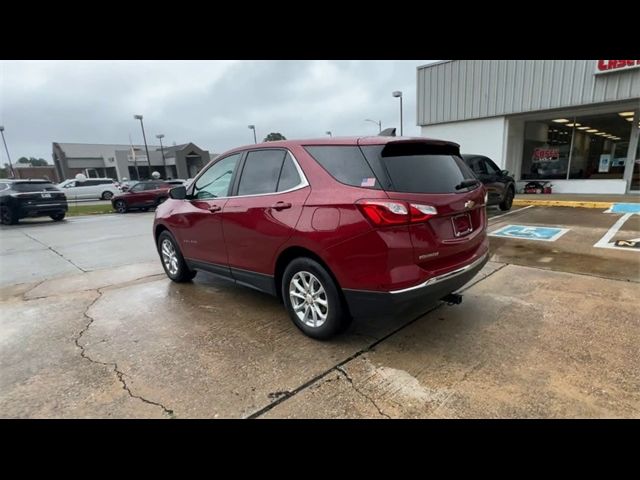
[[573, 123], [128, 161]]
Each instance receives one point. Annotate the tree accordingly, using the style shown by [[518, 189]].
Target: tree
[[35, 162], [273, 137], [38, 162]]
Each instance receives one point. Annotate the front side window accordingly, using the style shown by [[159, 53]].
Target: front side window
[[261, 172], [492, 168], [216, 180], [70, 185], [138, 187]]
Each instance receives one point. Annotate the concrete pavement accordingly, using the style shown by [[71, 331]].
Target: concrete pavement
[[92, 328]]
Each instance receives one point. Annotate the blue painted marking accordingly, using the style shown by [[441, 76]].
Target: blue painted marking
[[624, 208], [528, 232]]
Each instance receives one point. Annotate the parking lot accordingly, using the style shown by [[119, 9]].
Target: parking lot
[[91, 327]]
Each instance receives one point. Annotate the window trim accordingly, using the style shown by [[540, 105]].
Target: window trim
[[235, 181], [303, 179]]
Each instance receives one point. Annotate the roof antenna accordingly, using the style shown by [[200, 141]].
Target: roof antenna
[[388, 132]]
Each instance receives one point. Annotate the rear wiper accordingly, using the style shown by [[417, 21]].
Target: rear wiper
[[466, 183]]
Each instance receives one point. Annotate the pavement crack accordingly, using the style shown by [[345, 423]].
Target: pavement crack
[[54, 251], [119, 374], [350, 380], [24, 295]]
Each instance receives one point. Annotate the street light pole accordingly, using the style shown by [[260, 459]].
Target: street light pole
[[160, 136], [139, 117], [379, 123], [13, 174], [253, 127], [398, 94], [328, 132]]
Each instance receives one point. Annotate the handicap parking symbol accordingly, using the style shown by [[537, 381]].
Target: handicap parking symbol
[[529, 232]]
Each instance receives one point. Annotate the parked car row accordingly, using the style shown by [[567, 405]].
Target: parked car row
[[37, 198]]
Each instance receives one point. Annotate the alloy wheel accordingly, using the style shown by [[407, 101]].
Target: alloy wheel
[[308, 299], [169, 257]]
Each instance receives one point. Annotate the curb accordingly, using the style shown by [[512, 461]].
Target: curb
[[521, 202]]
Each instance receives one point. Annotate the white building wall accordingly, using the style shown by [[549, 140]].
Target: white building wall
[[484, 136]]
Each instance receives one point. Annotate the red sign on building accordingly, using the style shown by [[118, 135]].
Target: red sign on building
[[608, 66]]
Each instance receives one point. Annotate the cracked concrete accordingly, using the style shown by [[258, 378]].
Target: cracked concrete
[[350, 380], [119, 374]]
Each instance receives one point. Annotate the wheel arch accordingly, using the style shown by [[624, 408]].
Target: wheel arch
[[292, 252]]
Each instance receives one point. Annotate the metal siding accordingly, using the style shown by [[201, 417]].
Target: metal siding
[[465, 89]]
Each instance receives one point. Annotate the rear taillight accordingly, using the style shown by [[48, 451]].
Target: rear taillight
[[381, 212]]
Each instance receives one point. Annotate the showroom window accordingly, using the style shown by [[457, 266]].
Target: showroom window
[[578, 147]]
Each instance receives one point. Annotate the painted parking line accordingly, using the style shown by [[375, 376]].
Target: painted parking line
[[628, 245], [530, 232]]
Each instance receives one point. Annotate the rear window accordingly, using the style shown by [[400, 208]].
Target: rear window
[[418, 167], [346, 164], [33, 187]]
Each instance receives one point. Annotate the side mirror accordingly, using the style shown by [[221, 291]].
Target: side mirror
[[505, 173], [178, 193]]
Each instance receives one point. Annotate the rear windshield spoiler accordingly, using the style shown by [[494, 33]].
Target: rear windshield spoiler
[[417, 147]]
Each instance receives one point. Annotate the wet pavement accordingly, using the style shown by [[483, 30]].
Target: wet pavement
[[90, 327]]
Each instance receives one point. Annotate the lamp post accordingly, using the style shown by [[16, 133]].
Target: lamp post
[[253, 127], [398, 94], [328, 132], [379, 123], [139, 117], [160, 136], [13, 174]]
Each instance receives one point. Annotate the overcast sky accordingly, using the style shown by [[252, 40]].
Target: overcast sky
[[208, 102]]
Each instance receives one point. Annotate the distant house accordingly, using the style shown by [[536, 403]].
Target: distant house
[[26, 170], [118, 161]]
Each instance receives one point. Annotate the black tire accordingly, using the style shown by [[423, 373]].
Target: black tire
[[107, 195], [183, 273], [7, 216], [56, 217], [120, 206], [507, 202], [337, 316]]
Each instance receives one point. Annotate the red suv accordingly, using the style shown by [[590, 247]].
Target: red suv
[[335, 227], [142, 195]]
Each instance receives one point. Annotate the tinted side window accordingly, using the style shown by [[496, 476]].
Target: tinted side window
[[478, 166], [261, 172], [289, 176], [216, 180], [491, 167], [345, 164]]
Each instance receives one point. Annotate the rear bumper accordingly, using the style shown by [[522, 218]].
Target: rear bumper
[[372, 304], [42, 210]]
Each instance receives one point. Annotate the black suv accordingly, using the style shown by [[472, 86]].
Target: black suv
[[499, 184], [30, 198]]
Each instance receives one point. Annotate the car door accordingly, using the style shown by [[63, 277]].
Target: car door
[[494, 180], [69, 190], [137, 195], [198, 226], [262, 214]]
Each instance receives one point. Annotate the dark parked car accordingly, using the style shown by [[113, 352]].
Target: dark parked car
[[500, 185], [143, 195], [335, 227], [30, 198]]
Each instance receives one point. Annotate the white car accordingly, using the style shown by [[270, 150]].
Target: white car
[[90, 188]]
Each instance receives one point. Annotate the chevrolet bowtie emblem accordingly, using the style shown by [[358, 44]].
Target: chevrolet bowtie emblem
[[469, 204]]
